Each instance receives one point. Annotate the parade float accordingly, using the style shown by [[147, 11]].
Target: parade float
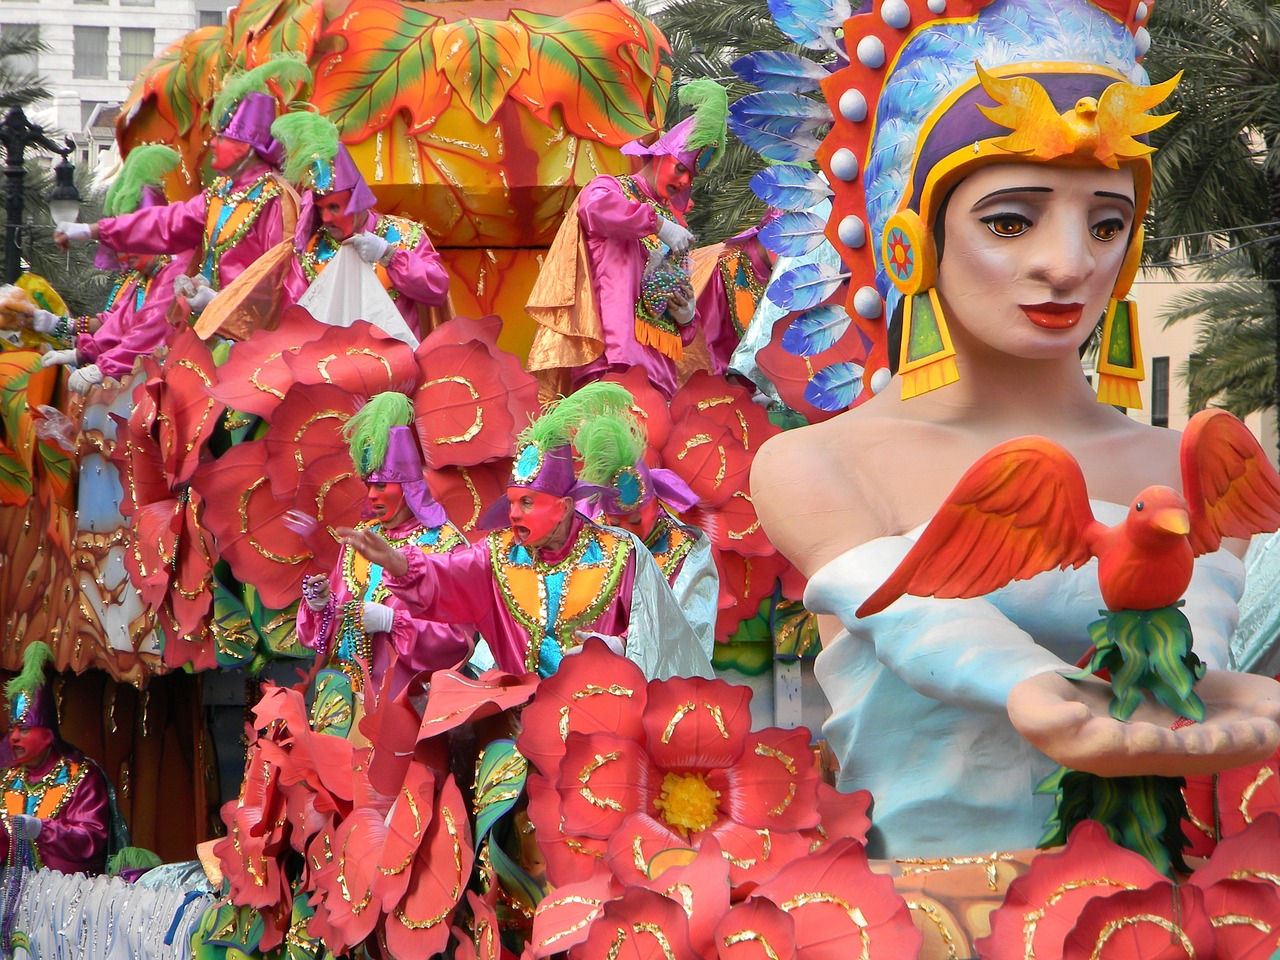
[[616, 805]]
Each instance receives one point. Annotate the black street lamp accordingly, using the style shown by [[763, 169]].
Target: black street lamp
[[16, 134]]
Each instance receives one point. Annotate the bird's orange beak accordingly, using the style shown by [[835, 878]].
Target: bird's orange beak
[[1172, 520]]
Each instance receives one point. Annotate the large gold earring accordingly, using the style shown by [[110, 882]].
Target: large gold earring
[[1120, 356], [928, 359]]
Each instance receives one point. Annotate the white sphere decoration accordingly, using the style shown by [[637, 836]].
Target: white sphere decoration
[[895, 14], [1141, 13], [867, 302], [1142, 41], [852, 232], [844, 164], [937, 6], [853, 106], [871, 52], [880, 379]]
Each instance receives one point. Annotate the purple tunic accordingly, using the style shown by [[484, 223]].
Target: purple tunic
[[182, 226], [718, 329], [613, 227], [419, 643], [462, 588], [128, 330], [415, 273], [75, 839]]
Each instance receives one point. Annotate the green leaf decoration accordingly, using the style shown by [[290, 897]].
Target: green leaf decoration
[[384, 64], [794, 630], [234, 634], [277, 633], [15, 479], [294, 30], [248, 20], [574, 65], [500, 781], [1146, 651], [1142, 814], [482, 59]]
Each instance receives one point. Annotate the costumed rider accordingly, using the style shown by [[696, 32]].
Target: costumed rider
[[549, 578], [337, 209], [730, 279], [243, 213], [350, 616], [615, 291], [54, 797], [636, 499], [135, 321]]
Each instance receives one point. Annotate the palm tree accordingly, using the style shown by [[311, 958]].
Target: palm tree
[[1217, 180], [19, 88], [706, 37]]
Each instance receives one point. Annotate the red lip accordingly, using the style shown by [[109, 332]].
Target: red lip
[[1054, 316]]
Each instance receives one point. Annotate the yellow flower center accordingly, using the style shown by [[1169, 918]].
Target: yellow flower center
[[687, 803]]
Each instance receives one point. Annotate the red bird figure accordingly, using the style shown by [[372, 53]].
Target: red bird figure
[[1023, 508]]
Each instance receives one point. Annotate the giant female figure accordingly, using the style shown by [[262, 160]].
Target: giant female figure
[[1006, 201]]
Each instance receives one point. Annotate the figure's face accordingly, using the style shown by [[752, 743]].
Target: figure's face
[[334, 216], [671, 177], [639, 521], [225, 154], [387, 503], [1031, 255], [30, 745], [142, 262], [535, 515]]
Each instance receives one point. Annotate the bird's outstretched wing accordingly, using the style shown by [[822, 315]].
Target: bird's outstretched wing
[[1231, 488], [1020, 510]]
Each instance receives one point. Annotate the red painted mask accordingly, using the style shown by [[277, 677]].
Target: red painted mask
[[534, 514], [226, 154], [386, 503], [333, 214], [30, 745], [671, 178], [640, 521]]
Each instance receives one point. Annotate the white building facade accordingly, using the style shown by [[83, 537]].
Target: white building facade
[[95, 50]]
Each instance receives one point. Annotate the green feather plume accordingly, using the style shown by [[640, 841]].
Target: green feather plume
[[368, 433], [607, 444], [283, 69], [560, 422], [34, 659], [145, 166], [306, 137], [710, 105], [132, 858]]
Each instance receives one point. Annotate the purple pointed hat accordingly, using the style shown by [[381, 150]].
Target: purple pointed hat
[[250, 123], [634, 486], [698, 140], [402, 465], [549, 471], [328, 177]]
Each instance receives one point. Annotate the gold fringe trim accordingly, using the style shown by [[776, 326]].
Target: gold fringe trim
[[667, 344], [1119, 391], [930, 376]]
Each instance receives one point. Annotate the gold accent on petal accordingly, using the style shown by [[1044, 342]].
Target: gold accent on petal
[[681, 712], [1246, 795], [751, 936], [604, 803], [561, 901], [477, 424], [1164, 923]]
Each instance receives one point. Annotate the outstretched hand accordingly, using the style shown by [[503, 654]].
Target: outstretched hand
[[375, 548], [1069, 721]]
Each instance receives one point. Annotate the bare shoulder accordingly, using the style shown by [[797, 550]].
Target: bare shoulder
[[818, 494]]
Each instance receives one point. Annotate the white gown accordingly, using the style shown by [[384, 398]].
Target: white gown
[[918, 692]]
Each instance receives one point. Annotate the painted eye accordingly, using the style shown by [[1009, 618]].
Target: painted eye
[[1138, 506], [1107, 230], [1007, 224]]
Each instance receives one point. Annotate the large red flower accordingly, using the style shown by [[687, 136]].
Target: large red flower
[[629, 771], [1224, 804], [473, 397]]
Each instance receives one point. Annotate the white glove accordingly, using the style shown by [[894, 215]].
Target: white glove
[[25, 827], [82, 380], [674, 236], [184, 286], [370, 246], [681, 312], [57, 358], [201, 298], [377, 618], [617, 645], [42, 321], [75, 232]]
